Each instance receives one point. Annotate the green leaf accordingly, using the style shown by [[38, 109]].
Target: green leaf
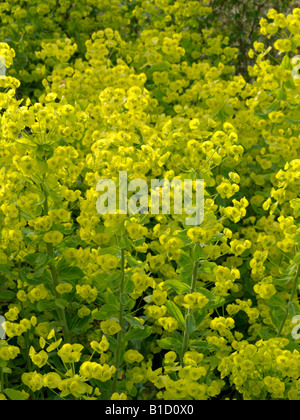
[[115, 230], [62, 229], [162, 66], [198, 253], [286, 63], [204, 347], [218, 302], [291, 270], [297, 259], [215, 302], [134, 322], [293, 308], [80, 325], [169, 343], [15, 395], [178, 286], [183, 236], [273, 107], [199, 316], [129, 286], [277, 315], [37, 260], [139, 242], [277, 302], [206, 293], [138, 334], [7, 269], [265, 335], [101, 281], [127, 301], [44, 278], [283, 281], [110, 251], [134, 263], [41, 259], [207, 267], [44, 305], [190, 324], [185, 260], [295, 204], [61, 303], [115, 279], [217, 237], [297, 235], [105, 312], [67, 272], [186, 274], [125, 243], [7, 295], [292, 346], [175, 312]]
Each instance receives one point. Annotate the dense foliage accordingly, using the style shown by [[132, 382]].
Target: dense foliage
[[146, 307]]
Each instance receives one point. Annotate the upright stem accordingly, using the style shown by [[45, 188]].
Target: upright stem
[[121, 321], [186, 337], [293, 294], [25, 335], [195, 276], [186, 340], [55, 281]]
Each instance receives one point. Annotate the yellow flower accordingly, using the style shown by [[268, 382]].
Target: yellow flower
[[64, 288], [195, 301], [194, 124], [110, 327], [54, 237], [119, 397], [70, 353], [101, 347], [39, 359], [52, 380], [133, 356]]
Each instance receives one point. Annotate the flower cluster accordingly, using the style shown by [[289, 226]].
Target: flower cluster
[[141, 306]]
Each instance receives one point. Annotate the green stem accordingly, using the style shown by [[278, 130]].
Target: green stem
[[186, 340], [55, 280], [121, 321], [195, 276], [292, 297], [186, 337]]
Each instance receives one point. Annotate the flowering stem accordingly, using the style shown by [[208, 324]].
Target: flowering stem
[[25, 336], [121, 321], [55, 280], [195, 276], [186, 337], [293, 294], [186, 340]]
